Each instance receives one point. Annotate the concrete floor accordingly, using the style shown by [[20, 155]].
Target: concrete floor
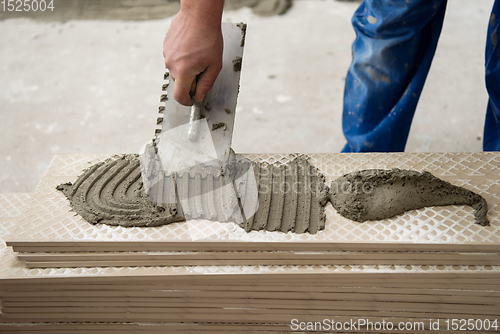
[[93, 86]]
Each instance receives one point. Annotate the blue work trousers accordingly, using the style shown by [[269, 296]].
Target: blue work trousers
[[392, 54]]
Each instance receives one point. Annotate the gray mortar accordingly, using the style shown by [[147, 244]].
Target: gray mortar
[[216, 126], [243, 28], [291, 196], [111, 193], [376, 194], [237, 64]]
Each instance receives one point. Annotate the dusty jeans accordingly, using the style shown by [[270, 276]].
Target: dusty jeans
[[392, 54]]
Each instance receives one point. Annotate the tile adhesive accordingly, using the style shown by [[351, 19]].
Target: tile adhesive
[[291, 196]]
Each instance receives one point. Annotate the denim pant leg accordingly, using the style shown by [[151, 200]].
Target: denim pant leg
[[392, 53], [491, 137]]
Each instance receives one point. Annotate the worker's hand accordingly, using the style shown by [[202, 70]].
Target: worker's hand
[[193, 47]]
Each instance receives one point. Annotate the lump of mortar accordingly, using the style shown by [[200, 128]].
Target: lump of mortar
[[237, 64], [216, 126], [111, 192], [376, 194], [243, 28], [291, 197]]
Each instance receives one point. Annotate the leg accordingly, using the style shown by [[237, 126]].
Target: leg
[[392, 53], [491, 137]]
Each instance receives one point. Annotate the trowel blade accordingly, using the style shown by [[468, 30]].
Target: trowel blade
[[217, 111], [173, 151]]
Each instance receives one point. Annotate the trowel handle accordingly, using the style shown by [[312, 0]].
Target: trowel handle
[[195, 112]]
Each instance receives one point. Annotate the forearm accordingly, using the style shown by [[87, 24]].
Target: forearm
[[209, 12]]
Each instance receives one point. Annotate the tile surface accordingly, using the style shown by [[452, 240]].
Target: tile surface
[[49, 217]]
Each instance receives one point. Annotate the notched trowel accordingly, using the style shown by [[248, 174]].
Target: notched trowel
[[189, 163]]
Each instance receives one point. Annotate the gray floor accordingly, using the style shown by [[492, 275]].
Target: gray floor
[[92, 86]]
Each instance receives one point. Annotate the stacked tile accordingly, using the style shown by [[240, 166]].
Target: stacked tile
[[240, 297], [283, 254], [200, 276]]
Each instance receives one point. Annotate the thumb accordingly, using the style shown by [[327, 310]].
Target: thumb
[[206, 81], [182, 86]]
